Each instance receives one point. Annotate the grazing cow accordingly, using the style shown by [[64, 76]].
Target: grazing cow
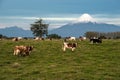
[[82, 38], [96, 40], [72, 38], [71, 46], [22, 50], [15, 39], [19, 38], [38, 38]]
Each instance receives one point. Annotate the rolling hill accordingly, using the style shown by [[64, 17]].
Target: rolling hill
[[15, 31]]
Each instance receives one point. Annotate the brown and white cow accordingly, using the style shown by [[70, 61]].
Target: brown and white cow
[[71, 46], [15, 39], [22, 50]]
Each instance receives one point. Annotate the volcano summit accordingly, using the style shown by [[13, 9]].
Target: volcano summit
[[85, 18]]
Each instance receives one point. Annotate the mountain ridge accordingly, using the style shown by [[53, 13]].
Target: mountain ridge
[[15, 31], [80, 28]]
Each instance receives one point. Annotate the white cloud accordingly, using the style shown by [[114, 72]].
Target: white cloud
[[54, 21], [60, 19], [115, 21], [33, 18], [18, 17], [25, 22], [22, 25], [53, 26]]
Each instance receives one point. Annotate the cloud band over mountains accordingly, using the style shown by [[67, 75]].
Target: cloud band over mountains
[[54, 21]]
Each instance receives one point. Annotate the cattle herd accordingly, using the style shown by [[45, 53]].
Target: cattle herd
[[23, 50]]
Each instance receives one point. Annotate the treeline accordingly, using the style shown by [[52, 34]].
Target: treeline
[[103, 35], [2, 36], [89, 34], [54, 36]]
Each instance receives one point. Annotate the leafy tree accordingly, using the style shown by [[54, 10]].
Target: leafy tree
[[39, 28]]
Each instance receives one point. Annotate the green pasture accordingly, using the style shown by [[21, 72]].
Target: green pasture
[[47, 61]]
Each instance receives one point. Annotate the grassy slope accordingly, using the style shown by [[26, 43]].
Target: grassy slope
[[48, 62]]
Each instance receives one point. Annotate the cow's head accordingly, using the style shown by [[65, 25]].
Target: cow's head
[[30, 48]]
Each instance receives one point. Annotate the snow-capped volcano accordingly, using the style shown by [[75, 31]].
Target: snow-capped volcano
[[85, 18], [82, 25]]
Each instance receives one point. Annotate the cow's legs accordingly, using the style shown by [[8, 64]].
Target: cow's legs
[[16, 52], [64, 48], [73, 49]]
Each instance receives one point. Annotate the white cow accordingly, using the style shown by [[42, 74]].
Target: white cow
[[82, 38], [72, 38]]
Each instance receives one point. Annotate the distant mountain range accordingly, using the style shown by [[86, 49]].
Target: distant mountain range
[[80, 28], [15, 31], [72, 29]]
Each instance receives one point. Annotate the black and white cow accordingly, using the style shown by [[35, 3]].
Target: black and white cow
[[96, 40], [71, 46]]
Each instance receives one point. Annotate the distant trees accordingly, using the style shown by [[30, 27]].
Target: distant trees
[[2, 36], [91, 34], [39, 28], [55, 36], [108, 35]]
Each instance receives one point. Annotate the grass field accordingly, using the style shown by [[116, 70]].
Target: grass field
[[48, 62]]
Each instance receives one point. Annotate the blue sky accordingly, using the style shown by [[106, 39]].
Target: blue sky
[[22, 13]]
